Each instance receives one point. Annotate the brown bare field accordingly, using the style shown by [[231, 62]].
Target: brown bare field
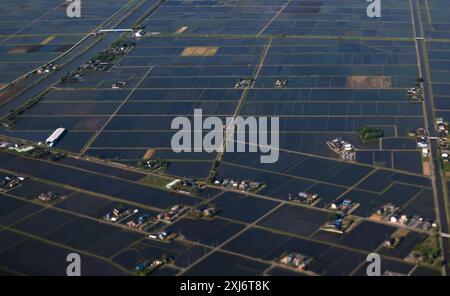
[[401, 232], [426, 167], [18, 50], [9, 92], [376, 217], [181, 30], [201, 51], [369, 81], [47, 40], [148, 154], [24, 49]]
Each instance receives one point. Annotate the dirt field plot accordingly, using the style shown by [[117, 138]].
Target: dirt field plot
[[368, 81], [200, 51]]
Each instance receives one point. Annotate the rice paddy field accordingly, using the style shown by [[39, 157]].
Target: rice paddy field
[[343, 71], [35, 32]]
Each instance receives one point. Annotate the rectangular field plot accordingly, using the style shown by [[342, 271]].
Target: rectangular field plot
[[304, 166], [98, 238], [436, 24], [409, 241], [199, 51], [14, 210], [39, 258], [295, 220], [411, 200], [101, 168], [393, 267], [224, 264], [85, 204], [31, 189], [359, 239], [183, 253], [270, 246], [189, 169], [327, 260], [243, 207], [208, 232]]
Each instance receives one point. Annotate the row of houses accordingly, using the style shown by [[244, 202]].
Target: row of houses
[[305, 198], [296, 260], [49, 196], [243, 185], [172, 214], [421, 136], [389, 212], [119, 213], [442, 133], [344, 205], [10, 182], [139, 222]]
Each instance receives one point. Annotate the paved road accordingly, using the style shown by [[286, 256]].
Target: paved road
[[438, 182]]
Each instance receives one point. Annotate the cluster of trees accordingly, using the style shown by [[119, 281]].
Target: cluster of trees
[[213, 172], [428, 251], [200, 213], [187, 185], [38, 152], [9, 120], [110, 56], [418, 81], [151, 165], [367, 134]]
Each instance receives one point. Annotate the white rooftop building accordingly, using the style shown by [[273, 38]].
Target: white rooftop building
[[55, 136]]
